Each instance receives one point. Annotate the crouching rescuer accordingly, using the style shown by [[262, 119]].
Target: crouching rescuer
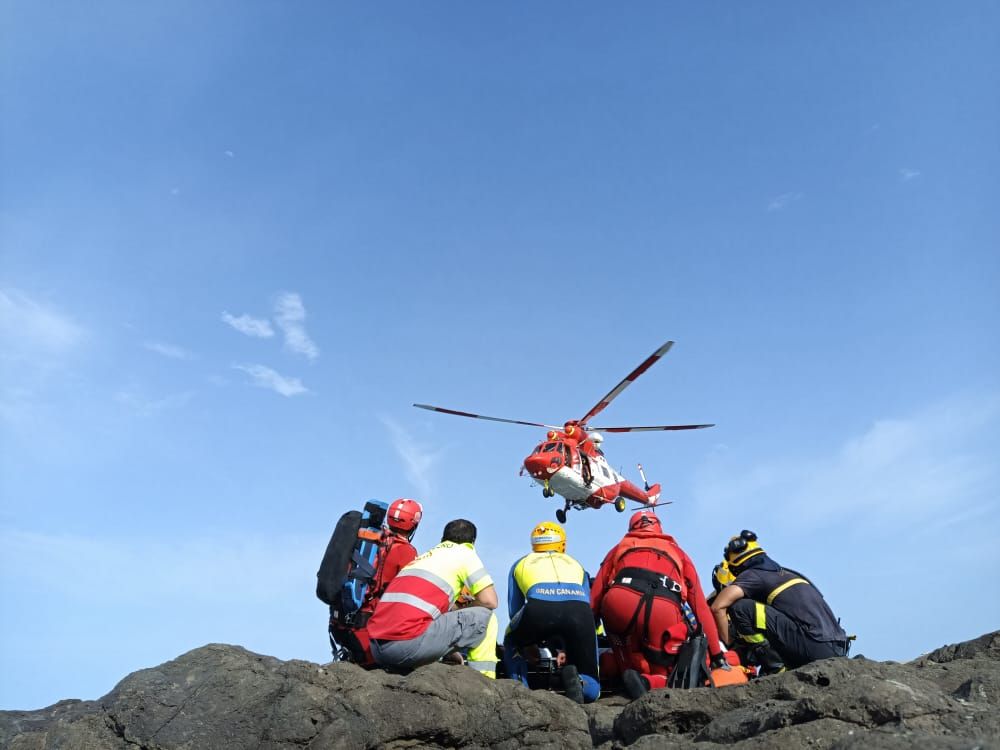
[[549, 600], [421, 617], [648, 594], [780, 618]]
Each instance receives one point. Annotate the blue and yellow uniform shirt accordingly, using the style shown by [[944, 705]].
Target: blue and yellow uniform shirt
[[547, 576]]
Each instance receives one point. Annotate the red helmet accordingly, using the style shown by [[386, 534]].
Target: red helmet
[[643, 518], [404, 515]]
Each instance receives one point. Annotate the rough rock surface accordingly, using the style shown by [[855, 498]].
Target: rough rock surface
[[226, 697]]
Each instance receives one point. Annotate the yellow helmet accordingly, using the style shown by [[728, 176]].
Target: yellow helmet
[[548, 536], [741, 548], [722, 576]]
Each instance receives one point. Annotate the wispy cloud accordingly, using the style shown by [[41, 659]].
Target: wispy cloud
[[864, 517], [900, 470], [189, 570], [167, 350], [418, 460], [783, 201], [144, 406], [908, 174], [249, 326], [27, 326], [290, 315], [265, 377]]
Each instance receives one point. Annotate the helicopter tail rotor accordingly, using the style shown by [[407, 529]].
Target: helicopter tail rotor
[[642, 474]]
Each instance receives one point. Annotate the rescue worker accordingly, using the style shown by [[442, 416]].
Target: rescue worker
[[548, 596], [779, 614], [721, 577], [640, 593], [421, 616], [396, 551]]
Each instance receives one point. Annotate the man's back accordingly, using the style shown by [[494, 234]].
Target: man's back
[[426, 589], [794, 595], [547, 576]]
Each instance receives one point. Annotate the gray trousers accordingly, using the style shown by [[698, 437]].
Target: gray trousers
[[458, 629]]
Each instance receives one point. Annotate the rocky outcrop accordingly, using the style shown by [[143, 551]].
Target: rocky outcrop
[[226, 697]]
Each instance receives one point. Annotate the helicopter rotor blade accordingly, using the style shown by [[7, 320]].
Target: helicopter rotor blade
[[480, 416], [613, 394], [652, 429]]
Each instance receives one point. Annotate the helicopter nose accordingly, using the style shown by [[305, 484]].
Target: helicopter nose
[[543, 465]]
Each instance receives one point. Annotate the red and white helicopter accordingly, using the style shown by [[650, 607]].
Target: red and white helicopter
[[570, 462]]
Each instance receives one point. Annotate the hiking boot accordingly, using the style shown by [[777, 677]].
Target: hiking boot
[[636, 685], [571, 683], [769, 660], [455, 658]]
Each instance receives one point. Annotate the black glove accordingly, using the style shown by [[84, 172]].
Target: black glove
[[719, 662]]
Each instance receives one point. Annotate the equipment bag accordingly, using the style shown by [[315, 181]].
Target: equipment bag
[[349, 564], [691, 669]]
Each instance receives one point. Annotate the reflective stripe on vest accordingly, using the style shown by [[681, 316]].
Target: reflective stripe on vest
[[430, 577], [413, 601], [432, 581], [787, 584]]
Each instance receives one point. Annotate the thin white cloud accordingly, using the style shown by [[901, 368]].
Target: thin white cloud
[[900, 470], [249, 326], [867, 518], [783, 201], [189, 571], [167, 350], [418, 460], [265, 377], [143, 406], [908, 174], [290, 315], [27, 326]]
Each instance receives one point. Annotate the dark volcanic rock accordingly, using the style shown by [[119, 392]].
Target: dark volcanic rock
[[227, 697]]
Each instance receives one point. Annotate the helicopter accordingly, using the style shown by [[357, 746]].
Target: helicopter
[[570, 462]]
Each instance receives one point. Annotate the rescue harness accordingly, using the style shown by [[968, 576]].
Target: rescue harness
[[650, 586]]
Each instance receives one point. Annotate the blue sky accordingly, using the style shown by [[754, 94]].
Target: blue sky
[[240, 239]]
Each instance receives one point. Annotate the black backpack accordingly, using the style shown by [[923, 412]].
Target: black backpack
[[349, 564]]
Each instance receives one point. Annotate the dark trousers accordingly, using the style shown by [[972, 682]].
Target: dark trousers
[[780, 632], [572, 622]]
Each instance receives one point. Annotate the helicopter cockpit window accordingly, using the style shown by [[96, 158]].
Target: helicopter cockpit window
[[538, 448], [549, 447]]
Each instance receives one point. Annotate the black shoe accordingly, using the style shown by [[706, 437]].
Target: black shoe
[[571, 683], [636, 685], [769, 660]]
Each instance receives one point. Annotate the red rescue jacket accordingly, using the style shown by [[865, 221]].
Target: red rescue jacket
[[644, 548]]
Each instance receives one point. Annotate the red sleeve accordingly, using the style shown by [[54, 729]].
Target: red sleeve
[[602, 581], [696, 598], [399, 556]]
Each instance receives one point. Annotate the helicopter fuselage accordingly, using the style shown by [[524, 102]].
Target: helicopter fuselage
[[579, 472]]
